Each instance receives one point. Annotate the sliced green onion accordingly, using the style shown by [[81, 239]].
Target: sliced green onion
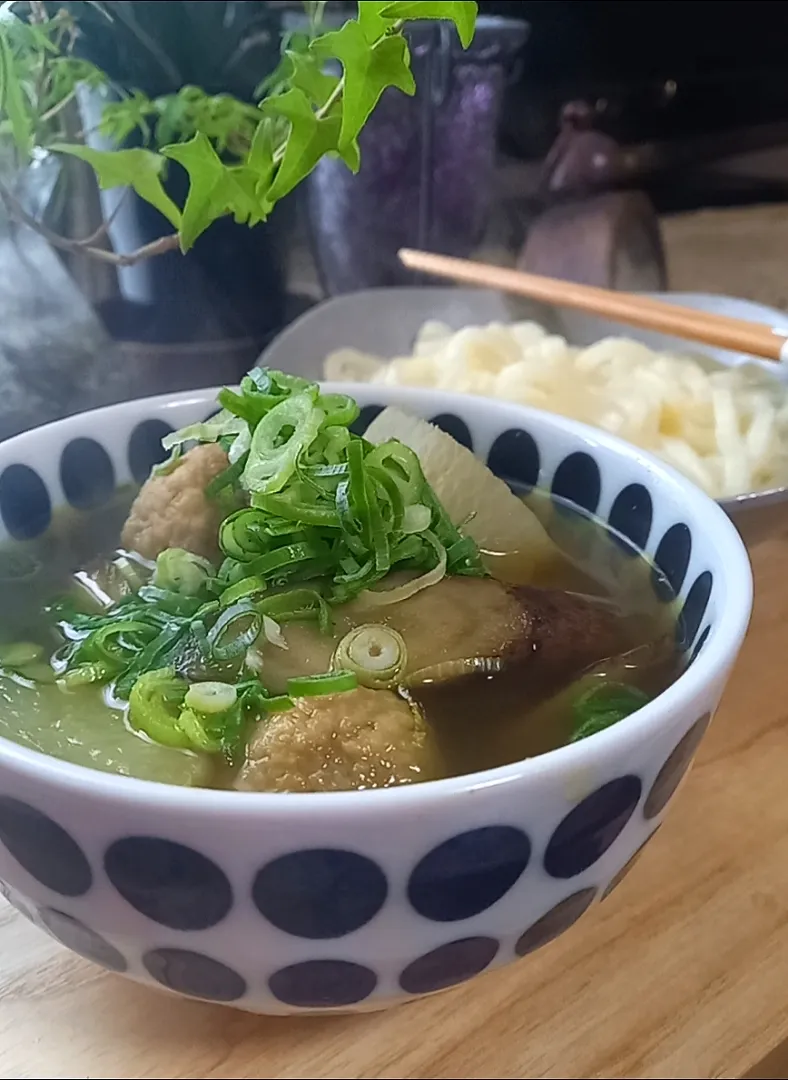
[[402, 465], [224, 423], [350, 526], [20, 654], [449, 535], [376, 654], [297, 605], [604, 705], [358, 490], [194, 730], [372, 598], [258, 379], [292, 508], [251, 406], [155, 704], [230, 476], [289, 556], [234, 631], [286, 383], [278, 441], [392, 501], [242, 535], [168, 466], [117, 641], [170, 602], [416, 518], [181, 571], [84, 675], [133, 571], [377, 531], [332, 682], [339, 409], [211, 697], [335, 442], [244, 589], [280, 703], [158, 653], [324, 472], [462, 557]]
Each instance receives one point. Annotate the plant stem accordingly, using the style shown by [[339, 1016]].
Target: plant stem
[[16, 211]]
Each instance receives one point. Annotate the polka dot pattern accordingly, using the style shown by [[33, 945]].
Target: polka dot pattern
[[43, 848], [17, 901], [631, 516], [25, 505], [672, 772], [170, 883], [86, 474], [555, 921], [587, 831], [365, 417], [323, 893], [468, 873], [145, 449], [454, 426], [622, 873], [448, 965], [322, 984], [194, 974], [328, 894], [672, 560], [577, 480], [81, 939], [514, 456], [694, 609], [699, 644]]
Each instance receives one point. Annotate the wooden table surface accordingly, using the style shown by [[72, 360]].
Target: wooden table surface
[[682, 972]]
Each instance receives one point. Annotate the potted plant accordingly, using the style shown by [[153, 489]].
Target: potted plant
[[202, 159]]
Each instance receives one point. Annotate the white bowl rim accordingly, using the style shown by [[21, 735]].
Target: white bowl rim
[[708, 668]]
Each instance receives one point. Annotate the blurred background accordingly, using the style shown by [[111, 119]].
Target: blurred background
[[620, 144]]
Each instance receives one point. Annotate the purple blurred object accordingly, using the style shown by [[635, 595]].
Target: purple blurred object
[[427, 175]]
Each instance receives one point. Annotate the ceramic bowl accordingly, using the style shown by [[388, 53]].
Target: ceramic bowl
[[347, 901], [384, 322]]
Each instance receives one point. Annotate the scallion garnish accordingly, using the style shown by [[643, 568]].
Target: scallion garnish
[[603, 706], [328, 517], [235, 630], [332, 682], [375, 653]]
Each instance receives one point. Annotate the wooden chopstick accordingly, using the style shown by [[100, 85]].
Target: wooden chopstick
[[722, 331]]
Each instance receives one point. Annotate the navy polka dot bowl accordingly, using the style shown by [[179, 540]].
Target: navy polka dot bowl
[[349, 901]]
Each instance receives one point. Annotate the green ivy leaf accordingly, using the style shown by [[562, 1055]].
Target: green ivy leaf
[[260, 158], [254, 177], [120, 118], [214, 188], [12, 100], [368, 72], [306, 74], [310, 138], [371, 19], [461, 12], [137, 168]]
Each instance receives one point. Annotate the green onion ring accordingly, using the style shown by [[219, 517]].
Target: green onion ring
[[225, 645]]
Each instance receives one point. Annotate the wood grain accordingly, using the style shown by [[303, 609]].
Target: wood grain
[[680, 973]]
